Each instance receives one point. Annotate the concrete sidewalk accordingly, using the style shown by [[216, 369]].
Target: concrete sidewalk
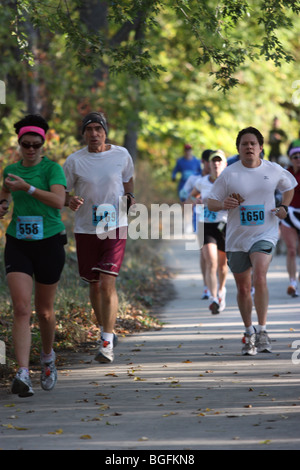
[[185, 387]]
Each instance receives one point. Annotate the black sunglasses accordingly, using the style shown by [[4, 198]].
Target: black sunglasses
[[27, 145]]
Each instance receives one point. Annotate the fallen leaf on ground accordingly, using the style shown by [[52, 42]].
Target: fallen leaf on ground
[[58, 431]]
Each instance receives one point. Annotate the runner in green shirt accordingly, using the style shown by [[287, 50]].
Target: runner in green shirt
[[34, 247], [43, 175]]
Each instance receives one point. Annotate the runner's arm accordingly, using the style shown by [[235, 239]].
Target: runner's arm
[[228, 203], [53, 198], [73, 202], [128, 190], [287, 197], [195, 196], [129, 186]]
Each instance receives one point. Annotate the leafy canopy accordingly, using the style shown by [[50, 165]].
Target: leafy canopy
[[216, 33]]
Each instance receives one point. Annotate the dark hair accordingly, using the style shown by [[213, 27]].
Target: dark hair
[[249, 130], [31, 120], [206, 154]]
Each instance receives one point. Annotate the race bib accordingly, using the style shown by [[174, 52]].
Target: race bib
[[105, 213], [209, 216], [30, 228], [252, 215]]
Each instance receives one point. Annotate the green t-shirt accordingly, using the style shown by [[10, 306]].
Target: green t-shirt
[[32, 219]]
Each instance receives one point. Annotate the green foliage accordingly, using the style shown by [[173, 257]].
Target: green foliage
[[211, 25], [157, 65]]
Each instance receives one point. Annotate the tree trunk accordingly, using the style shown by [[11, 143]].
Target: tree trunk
[[30, 84], [130, 139], [131, 136], [93, 14]]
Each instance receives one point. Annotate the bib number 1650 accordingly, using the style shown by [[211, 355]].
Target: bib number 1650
[[252, 215]]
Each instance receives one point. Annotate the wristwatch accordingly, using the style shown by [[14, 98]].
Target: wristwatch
[[285, 207], [130, 194]]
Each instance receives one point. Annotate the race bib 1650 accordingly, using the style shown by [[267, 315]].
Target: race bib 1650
[[252, 215]]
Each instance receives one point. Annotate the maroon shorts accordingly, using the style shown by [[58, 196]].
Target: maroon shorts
[[96, 256]]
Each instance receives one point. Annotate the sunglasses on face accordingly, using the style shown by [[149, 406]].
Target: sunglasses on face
[[27, 145]]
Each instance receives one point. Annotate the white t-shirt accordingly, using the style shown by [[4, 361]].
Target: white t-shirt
[[252, 220], [98, 178], [204, 186], [188, 186]]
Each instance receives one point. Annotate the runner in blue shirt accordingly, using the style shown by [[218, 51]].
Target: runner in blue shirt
[[187, 165]]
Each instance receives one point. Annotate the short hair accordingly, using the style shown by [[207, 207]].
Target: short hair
[[206, 154], [249, 130]]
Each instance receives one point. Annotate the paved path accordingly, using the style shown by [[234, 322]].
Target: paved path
[[185, 387]]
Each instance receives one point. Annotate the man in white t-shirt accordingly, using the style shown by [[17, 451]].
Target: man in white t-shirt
[[100, 175], [246, 189]]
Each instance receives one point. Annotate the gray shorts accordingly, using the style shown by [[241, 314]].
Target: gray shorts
[[239, 261]]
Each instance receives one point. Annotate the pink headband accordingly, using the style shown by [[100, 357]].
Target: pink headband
[[36, 130]]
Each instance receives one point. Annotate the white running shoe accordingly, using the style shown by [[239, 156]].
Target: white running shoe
[[214, 306], [292, 289], [49, 374], [21, 385], [105, 353], [206, 294], [222, 300], [249, 348], [263, 343]]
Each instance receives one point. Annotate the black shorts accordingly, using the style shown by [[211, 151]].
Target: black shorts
[[43, 259], [289, 223], [215, 233]]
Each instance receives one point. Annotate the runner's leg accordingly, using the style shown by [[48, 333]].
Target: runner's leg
[[260, 264], [222, 269], [44, 305], [20, 286], [104, 299], [210, 253], [290, 237], [244, 299]]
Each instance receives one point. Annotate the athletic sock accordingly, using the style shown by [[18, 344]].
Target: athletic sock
[[260, 328], [47, 357], [108, 337], [250, 330]]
